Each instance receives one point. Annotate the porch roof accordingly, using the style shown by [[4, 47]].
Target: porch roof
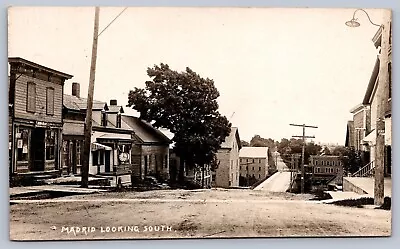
[[98, 146]]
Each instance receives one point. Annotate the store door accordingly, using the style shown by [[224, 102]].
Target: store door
[[107, 161], [38, 149]]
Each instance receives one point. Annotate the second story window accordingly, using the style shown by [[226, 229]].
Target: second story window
[[31, 97], [50, 101]]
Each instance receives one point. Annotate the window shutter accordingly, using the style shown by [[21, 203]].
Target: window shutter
[[31, 98], [50, 101]]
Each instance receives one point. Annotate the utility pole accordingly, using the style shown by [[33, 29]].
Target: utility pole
[[88, 121], [382, 96], [303, 150]]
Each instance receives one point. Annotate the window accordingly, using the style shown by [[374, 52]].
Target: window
[[22, 144], [95, 158], [259, 160], [253, 160], [31, 97], [316, 162], [247, 167], [253, 168], [78, 152], [50, 101], [101, 157], [259, 176], [240, 167], [118, 120], [50, 144], [259, 168]]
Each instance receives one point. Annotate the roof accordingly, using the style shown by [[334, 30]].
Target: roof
[[145, 131], [228, 143], [254, 152], [372, 81], [40, 67], [357, 108], [75, 103]]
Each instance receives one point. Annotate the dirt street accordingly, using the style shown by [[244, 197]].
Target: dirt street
[[190, 214]]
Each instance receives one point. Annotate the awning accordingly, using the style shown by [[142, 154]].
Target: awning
[[115, 136], [97, 146], [370, 138]]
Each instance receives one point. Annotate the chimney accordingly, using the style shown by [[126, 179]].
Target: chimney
[[113, 102], [76, 89]]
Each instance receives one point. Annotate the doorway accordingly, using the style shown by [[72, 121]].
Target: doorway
[[37, 149], [107, 161]]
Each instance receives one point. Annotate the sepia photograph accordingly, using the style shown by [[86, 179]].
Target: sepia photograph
[[132, 123]]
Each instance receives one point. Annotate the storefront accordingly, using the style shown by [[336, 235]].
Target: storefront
[[36, 147]]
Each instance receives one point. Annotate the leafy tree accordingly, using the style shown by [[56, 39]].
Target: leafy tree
[[186, 104], [245, 143], [258, 141], [351, 158], [326, 151]]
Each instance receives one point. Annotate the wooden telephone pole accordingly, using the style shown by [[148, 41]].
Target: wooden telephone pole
[[303, 150], [382, 96], [88, 121]]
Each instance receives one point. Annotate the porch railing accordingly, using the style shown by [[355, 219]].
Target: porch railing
[[367, 170]]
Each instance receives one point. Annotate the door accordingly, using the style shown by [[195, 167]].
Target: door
[[38, 149], [107, 161]]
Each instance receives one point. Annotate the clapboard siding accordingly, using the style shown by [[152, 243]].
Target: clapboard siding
[[41, 85]]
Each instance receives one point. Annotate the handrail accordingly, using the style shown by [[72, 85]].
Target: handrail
[[364, 171]]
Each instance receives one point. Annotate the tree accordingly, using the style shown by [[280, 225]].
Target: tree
[[258, 141], [326, 151], [186, 104], [244, 143], [351, 158]]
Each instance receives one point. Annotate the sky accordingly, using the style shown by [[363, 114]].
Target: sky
[[272, 66]]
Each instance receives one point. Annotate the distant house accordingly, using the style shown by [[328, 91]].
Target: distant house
[[227, 172], [153, 150], [35, 118], [254, 164], [326, 168]]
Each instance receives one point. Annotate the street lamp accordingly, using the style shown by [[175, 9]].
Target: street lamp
[[382, 94], [353, 22]]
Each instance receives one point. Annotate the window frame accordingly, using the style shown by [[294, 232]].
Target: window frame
[[31, 107]]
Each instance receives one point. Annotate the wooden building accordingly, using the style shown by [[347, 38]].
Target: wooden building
[[35, 118]]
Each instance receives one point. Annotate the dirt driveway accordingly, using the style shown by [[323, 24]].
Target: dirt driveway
[[190, 214]]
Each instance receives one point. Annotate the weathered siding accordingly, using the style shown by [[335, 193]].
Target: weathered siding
[[40, 113]]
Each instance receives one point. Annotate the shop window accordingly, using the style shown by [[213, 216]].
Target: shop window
[[50, 144], [31, 97], [22, 144], [95, 158], [101, 157], [50, 101]]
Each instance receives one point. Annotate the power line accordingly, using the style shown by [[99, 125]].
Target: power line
[[112, 21], [303, 150]]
